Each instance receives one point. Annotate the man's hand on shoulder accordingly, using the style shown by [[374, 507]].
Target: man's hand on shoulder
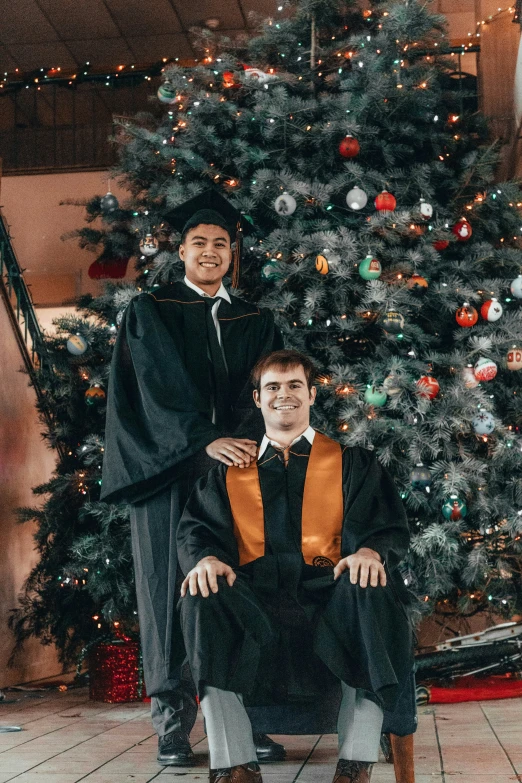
[[233, 451], [364, 564], [204, 576]]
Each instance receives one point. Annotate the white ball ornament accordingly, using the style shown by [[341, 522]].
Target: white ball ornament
[[516, 287], [468, 376], [149, 246], [514, 359], [285, 204], [485, 369], [356, 198], [425, 209], [483, 423], [77, 344]]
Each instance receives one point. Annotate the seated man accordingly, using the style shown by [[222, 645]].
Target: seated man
[[291, 582]]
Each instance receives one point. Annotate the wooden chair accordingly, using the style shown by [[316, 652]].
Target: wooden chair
[[321, 718]]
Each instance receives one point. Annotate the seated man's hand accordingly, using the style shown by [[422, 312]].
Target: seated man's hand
[[233, 451], [363, 564], [204, 575]]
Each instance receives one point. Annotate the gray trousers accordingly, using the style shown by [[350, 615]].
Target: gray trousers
[[230, 738]]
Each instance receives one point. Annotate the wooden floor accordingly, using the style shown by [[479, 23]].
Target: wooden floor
[[67, 738]]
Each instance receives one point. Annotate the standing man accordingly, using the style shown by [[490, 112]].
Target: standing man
[[292, 583], [179, 399]]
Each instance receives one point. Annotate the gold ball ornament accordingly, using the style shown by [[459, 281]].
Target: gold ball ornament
[[322, 265], [95, 395]]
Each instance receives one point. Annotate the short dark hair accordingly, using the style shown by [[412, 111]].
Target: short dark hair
[[189, 228], [283, 360]]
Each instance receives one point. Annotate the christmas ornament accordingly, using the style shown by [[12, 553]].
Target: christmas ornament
[[441, 244], [483, 423], [462, 230], [391, 385], [468, 376], [485, 369], [149, 246], [228, 79], [166, 93], [349, 147], [454, 508], [466, 315], [420, 477], [321, 264], [417, 284], [285, 204], [114, 672], [514, 359], [95, 395], [385, 202], [425, 209], [516, 287], [271, 270], [108, 269], [356, 198], [109, 203], [374, 395], [393, 322], [370, 268], [77, 345], [257, 75], [491, 310], [429, 387]]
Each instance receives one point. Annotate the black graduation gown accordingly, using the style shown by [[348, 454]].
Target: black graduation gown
[[159, 420], [285, 628]]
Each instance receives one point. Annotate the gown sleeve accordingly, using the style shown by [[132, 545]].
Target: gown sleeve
[[156, 417], [374, 514], [206, 526]]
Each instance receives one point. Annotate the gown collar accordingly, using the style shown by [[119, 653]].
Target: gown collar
[[309, 434], [221, 292]]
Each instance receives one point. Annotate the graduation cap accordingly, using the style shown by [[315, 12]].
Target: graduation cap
[[211, 208]]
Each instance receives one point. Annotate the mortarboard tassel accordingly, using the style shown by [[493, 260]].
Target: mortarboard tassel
[[236, 258]]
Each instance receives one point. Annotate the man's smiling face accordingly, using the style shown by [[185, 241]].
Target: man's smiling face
[[206, 253], [285, 399]]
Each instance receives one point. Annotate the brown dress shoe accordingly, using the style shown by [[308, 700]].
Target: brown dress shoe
[[353, 771], [244, 773]]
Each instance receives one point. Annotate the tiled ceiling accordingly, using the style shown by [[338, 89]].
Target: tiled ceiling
[[68, 33]]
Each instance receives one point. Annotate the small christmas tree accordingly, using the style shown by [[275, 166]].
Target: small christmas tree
[[381, 236]]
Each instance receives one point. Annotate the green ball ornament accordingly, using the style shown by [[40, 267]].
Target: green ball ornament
[[454, 508], [375, 395], [420, 477], [370, 268], [393, 322], [166, 93], [271, 270]]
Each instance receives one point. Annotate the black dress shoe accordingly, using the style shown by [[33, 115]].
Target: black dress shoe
[[267, 750], [174, 750]]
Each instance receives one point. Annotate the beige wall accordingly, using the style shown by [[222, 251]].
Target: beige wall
[[55, 270], [25, 461]]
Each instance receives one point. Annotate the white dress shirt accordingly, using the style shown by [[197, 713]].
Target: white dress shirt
[[221, 292], [309, 434]]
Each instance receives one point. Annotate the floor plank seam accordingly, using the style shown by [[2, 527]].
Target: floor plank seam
[[517, 776], [307, 759], [441, 759]]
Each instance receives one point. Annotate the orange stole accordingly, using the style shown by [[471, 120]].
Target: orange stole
[[322, 516]]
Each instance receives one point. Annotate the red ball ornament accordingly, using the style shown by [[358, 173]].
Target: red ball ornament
[[385, 202], [441, 244], [462, 230], [429, 387], [349, 147], [491, 310], [108, 268], [466, 315], [228, 79]]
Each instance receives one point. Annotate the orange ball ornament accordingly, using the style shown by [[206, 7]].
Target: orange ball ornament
[[349, 147], [95, 395], [462, 230], [385, 202], [466, 315], [428, 386]]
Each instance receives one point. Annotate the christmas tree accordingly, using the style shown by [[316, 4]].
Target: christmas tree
[[388, 253]]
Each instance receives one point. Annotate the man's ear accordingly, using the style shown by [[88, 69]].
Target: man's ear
[[256, 398], [313, 395], [181, 252]]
